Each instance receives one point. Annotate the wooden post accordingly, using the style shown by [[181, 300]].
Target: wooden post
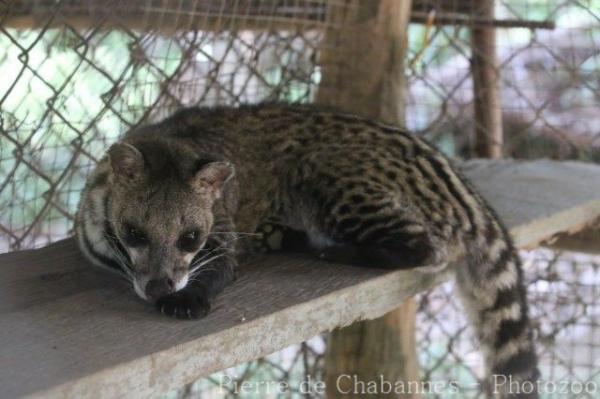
[[363, 63], [374, 351], [488, 113], [489, 137], [363, 72]]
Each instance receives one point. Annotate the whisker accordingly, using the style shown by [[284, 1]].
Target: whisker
[[204, 263], [122, 261], [191, 272], [237, 233], [211, 251]]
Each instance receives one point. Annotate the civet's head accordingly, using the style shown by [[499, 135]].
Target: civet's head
[[161, 211]]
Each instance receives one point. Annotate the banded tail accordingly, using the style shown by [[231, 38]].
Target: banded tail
[[494, 294]]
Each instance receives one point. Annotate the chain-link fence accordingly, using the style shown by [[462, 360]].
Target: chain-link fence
[[548, 57], [76, 74]]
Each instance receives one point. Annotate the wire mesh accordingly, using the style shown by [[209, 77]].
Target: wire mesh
[[77, 74], [548, 85]]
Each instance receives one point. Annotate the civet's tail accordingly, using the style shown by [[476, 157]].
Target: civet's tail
[[493, 292]]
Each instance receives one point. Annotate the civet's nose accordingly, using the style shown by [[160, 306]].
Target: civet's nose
[[158, 288]]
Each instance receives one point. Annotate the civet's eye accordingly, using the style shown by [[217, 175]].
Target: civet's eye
[[189, 241], [133, 236]]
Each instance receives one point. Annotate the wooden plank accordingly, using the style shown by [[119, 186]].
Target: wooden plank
[[538, 199], [170, 16], [82, 335], [455, 19], [587, 241], [69, 330], [165, 16]]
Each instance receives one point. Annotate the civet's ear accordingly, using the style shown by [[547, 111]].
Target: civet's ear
[[126, 161], [211, 178]]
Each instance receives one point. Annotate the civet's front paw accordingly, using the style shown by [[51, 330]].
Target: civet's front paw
[[189, 303]]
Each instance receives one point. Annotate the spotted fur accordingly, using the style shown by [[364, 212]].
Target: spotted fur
[[352, 190]]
